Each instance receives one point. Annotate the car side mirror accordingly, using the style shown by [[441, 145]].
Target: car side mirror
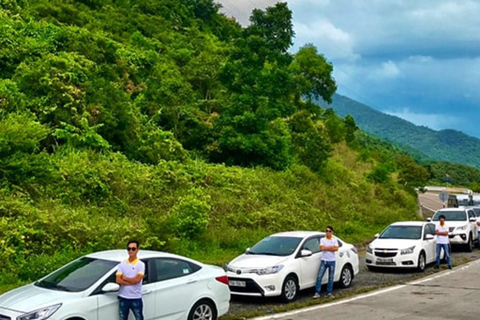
[[473, 219], [305, 253], [429, 237], [111, 287], [377, 235], [429, 219]]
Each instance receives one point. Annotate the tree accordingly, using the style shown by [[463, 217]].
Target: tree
[[350, 128], [312, 75]]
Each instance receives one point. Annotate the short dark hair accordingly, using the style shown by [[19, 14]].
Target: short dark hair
[[330, 227], [134, 241], [441, 216]]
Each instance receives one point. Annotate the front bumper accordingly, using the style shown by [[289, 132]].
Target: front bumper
[[255, 285], [397, 261], [458, 238], [6, 314]]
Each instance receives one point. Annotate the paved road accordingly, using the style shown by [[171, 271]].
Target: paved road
[[430, 201], [446, 295]]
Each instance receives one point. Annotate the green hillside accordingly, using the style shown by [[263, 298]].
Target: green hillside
[[424, 143], [166, 121]]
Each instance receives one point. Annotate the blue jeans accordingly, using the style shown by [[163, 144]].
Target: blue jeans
[[324, 265], [125, 305], [446, 249]]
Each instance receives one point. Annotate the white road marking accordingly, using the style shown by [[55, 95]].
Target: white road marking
[[367, 295]]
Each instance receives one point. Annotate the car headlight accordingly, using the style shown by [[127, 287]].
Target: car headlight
[[408, 250], [269, 270], [40, 314], [226, 267], [463, 228], [369, 249]]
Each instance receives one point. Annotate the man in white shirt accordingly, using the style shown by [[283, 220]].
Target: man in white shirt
[[442, 242], [328, 245], [130, 277]]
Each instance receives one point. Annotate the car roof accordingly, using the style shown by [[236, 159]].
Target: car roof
[[298, 234], [410, 223], [121, 254]]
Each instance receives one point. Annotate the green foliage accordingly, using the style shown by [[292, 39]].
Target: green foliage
[[105, 104]]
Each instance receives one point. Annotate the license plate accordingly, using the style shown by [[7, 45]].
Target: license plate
[[384, 260], [235, 283]]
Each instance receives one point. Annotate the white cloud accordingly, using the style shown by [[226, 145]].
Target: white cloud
[[432, 121], [388, 70]]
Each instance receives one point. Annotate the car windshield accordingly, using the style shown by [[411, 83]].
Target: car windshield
[[463, 202], [78, 275], [276, 246], [451, 216], [402, 232]]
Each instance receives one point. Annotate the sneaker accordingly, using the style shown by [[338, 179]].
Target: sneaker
[[330, 296], [436, 266], [316, 296]]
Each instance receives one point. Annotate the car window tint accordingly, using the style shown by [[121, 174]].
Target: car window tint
[[312, 244], [431, 229], [169, 268], [471, 214]]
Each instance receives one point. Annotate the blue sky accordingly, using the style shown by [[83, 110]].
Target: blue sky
[[419, 60]]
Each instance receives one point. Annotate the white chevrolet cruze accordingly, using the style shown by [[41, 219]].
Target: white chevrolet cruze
[[284, 263], [174, 288], [403, 245]]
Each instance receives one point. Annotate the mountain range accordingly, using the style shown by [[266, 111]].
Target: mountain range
[[422, 142]]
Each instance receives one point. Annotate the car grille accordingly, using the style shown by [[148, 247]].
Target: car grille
[[250, 287], [2, 317], [385, 253]]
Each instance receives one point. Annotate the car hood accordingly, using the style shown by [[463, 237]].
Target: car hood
[[31, 297], [454, 223], [393, 243], [246, 261]]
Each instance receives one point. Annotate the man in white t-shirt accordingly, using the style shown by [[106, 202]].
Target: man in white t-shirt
[[328, 245], [130, 277], [442, 242]]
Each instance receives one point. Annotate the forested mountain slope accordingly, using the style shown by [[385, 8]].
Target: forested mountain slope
[[444, 145]]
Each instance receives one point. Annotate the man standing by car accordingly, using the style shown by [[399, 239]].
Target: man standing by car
[[130, 276], [442, 242], [328, 246]]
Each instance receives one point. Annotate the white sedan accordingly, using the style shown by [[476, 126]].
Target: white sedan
[[174, 288], [284, 263], [403, 245]]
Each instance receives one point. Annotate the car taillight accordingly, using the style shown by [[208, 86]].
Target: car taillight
[[222, 279]]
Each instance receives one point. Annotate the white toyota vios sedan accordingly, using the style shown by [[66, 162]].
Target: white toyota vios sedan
[[284, 263], [403, 245], [174, 288]]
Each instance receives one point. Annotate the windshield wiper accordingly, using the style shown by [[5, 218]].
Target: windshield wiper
[[63, 288]]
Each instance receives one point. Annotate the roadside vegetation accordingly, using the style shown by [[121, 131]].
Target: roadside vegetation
[[168, 122]]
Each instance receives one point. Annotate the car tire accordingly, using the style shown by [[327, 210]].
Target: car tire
[[346, 277], [290, 289], [422, 262], [469, 245], [203, 310]]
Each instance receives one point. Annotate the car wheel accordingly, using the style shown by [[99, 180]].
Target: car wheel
[[203, 310], [346, 277], [290, 289], [470, 244], [422, 262]]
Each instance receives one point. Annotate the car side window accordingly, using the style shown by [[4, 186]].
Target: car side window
[[312, 245], [171, 268], [431, 229]]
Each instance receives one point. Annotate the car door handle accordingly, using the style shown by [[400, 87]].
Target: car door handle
[[145, 292], [191, 281]]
